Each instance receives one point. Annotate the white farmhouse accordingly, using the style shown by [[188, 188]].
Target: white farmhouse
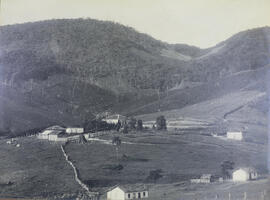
[[127, 192], [75, 130], [244, 174], [113, 119], [235, 135]]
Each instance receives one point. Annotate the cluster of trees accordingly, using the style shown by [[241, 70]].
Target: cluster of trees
[[131, 124], [226, 169], [98, 125], [161, 123]]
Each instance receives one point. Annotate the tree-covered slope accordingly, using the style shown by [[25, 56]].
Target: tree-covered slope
[[67, 71]]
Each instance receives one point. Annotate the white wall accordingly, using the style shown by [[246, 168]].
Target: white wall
[[235, 135], [240, 175], [116, 194], [135, 195], [111, 121], [74, 130], [53, 137]]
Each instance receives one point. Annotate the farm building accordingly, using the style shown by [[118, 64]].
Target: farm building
[[74, 130], [235, 135], [127, 192], [58, 134], [244, 174], [54, 135], [113, 119], [50, 130], [205, 178]]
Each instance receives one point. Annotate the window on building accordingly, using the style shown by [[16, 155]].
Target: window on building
[[139, 195], [144, 194], [129, 196]]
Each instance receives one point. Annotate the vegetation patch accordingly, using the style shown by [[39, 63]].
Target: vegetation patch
[[117, 167], [127, 158]]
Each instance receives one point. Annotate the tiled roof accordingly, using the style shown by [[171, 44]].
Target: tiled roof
[[133, 188]]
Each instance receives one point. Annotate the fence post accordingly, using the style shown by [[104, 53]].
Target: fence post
[[263, 194], [245, 195]]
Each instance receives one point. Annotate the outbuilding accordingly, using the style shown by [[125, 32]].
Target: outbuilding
[[205, 178], [54, 135], [75, 130], [235, 135], [244, 174], [113, 119], [128, 192]]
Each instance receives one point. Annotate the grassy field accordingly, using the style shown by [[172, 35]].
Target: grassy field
[[220, 191], [35, 169], [38, 169], [180, 157]]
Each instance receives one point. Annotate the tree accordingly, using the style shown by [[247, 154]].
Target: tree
[[226, 168], [132, 123], [140, 125], [118, 126], [116, 141], [154, 175], [161, 123]]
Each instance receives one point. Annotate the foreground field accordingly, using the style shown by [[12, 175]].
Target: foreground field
[[255, 190], [179, 157], [37, 168]]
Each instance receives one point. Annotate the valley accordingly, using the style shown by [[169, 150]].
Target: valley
[[78, 72]]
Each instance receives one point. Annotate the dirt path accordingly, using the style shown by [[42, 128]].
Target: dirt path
[[92, 195]]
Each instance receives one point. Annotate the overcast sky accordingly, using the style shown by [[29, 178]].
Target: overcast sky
[[202, 23]]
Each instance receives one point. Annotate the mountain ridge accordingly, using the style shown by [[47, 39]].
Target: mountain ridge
[[78, 68]]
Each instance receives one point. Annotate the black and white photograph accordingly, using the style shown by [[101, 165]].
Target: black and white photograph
[[134, 99]]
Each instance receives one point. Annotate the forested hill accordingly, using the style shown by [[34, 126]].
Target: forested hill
[[67, 71]]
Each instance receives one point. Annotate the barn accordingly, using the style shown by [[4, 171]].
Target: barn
[[244, 174], [128, 192], [235, 135], [54, 135], [45, 134]]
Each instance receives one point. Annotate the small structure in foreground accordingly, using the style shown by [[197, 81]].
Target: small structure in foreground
[[205, 178], [244, 174], [128, 192], [235, 135]]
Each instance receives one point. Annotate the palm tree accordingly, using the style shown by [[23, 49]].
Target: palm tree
[[116, 141]]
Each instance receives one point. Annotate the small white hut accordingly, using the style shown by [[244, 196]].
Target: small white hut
[[235, 135], [244, 174]]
